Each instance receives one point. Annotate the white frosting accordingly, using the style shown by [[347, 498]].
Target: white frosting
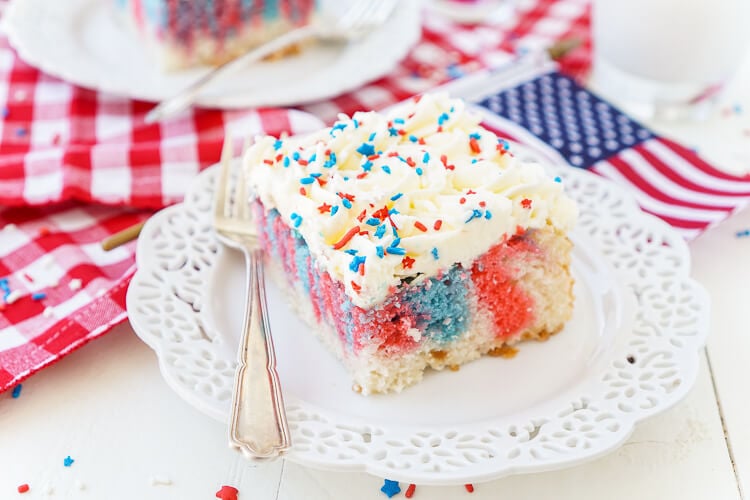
[[481, 195]]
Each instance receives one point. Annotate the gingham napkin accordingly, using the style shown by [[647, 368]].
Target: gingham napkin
[[65, 145]]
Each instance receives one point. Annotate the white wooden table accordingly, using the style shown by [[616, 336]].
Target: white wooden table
[[109, 409]]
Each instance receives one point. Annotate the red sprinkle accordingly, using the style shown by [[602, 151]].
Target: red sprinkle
[[268, 162], [417, 98], [410, 490], [381, 214], [440, 128], [392, 154], [471, 191], [361, 268], [364, 233], [321, 181], [421, 141], [373, 157], [345, 239], [407, 262], [327, 152], [469, 487], [325, 207], [402, 132], [361, 216], [420, 226], [279, 157], [526, 203], [482, 204], [349, 197], [437, 225], [44, 231], [520, 230], [302, 191], [227, 493], [356, 287], [362, 175], [23, 488], [302, 162], [28, 277], [474, 144], [462, 200], [410, 161]]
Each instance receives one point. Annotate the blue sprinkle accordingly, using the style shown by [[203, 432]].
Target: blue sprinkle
[[295, 155], [380, 231], [475, 135], [316, 175], [16, 391], [487, 214], [474, 160], [351, 251], [356, 123], [296, 219], [346, 203], [337, 126], [396, 196], [334, 209], [413, 138], [558, 179], [356, 261], [443, 118], [372, 136], [21, 131], [396, 251], [373, 221], [504, 144], [743, 233], [6, 112], [386, 169], [474, 215], [418, 170], [367, 166], [396, 242], [379, 250], [277, 145], [312, 158], [435, 253], [400, 121], [38, 296], [393, 132], [393, 230], [366, 149], [426, 157], [390, 488], [453, 108], [307, 180], [286, 161], [393, 211], [67, 461]]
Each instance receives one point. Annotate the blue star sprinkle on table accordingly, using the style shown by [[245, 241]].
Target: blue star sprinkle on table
[[390, 488]]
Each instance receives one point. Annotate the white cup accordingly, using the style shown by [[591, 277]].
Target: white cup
[[655, 56]]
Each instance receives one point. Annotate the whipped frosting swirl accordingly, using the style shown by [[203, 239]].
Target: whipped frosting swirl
[[380, 197]]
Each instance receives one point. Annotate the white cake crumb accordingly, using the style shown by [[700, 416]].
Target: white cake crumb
[[75, 284], [80, 485], [13, 296], [47, 312], [414, 333], [48, 490], [163, 480]]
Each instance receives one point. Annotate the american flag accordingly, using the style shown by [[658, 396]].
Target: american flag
[[551, 113]]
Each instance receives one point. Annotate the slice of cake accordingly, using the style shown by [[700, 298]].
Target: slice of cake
[[413, 240], [185, 33]]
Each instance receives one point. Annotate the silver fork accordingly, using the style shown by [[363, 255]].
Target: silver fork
[[258, 425], [359, 19]]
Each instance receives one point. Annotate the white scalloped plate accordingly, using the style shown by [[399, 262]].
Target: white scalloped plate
[[630, 351], [85, 42]]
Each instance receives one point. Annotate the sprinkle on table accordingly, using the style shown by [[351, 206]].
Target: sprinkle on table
[[743, 234], [410, 490], [390, 488], [16, 391], [469, 487], [23, 488], [38, 296], [227, 493]]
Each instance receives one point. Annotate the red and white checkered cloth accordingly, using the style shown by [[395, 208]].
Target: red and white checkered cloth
[[65, 145]]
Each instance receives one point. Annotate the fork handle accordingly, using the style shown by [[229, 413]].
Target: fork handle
[[258, 426], [185, 98]]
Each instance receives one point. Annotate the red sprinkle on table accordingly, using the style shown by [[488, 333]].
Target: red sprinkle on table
[[469, 488], [410, 490], [420, 226], [345, 239], [227, 493], [23, 488]]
